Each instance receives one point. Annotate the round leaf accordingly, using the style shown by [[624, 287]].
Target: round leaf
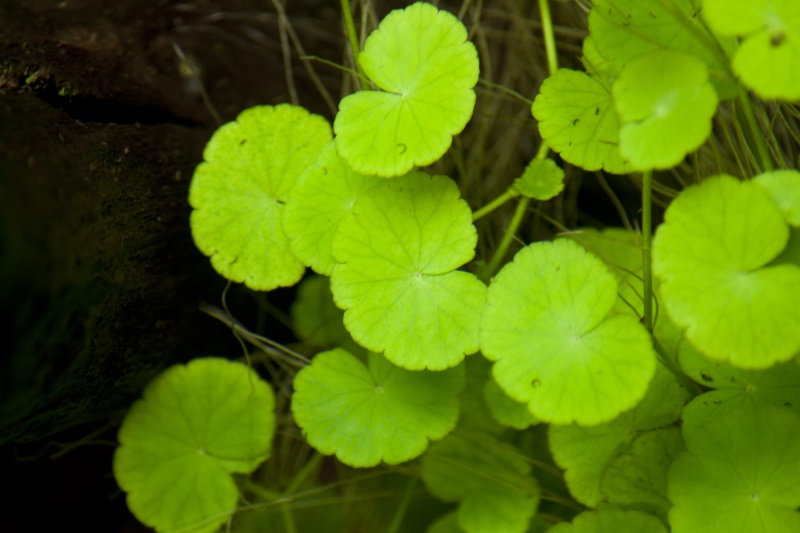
[[421, 58], [195, 426], [397, 251], [710, 255], [238, 192], [577, 119], [547, 325], [741, 473], [320, 199], [542, 179], [366, 415], [665, 103], [768, 60]]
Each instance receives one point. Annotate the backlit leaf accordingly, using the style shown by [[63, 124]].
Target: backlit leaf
[[195, 426], [368, 414], [556, 345], [712, 256], [238, 192], [426, 69], [577, 119], [397, 252]]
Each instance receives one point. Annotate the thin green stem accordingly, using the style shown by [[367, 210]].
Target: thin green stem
[[647, 222], [754, 134], [400, 513], [288, 518], [510, 194], [352, 36], [549, 36], [508, 236], [303, 474]]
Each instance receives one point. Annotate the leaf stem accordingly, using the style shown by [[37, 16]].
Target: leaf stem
[[549, 36], [508, 236], [400, 513], [753, 132], [647, 222], [353, 38], [510, 194]]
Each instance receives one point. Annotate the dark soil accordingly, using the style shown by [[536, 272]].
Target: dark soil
[[101, 126]]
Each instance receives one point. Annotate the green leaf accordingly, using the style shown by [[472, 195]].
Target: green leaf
[[316, 319], [594, 456], [609, 520], [542, 180], [397, 252], [195, 426], [739, 388], [506, 410], [741, 473], [490, 479], [421, 59], [767, 60], [577, 119], [665, 103], [238, 192], [368, 414], [623, 30], [637, 479], [320, 199], [475, 413], [710, 255], [558, 349], [784, 187]]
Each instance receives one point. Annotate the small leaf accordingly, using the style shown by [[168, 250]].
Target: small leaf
[[369, 414], [547, 325], [577, 119], [195, 426], [238, 193], [609, 520], [711, 255], [767, 61], [421, 58], [490, 479], [397, 252], [542, 180], [475, 413], [506, 410], [623, 30], [741, 473], [665, 103], [784, 187]]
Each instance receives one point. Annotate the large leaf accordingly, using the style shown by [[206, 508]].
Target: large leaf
[[741, 472], [397, 251], [421, 59], [368, 414], [712, 256], [548, 325], [195, 426], [239, 191]]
